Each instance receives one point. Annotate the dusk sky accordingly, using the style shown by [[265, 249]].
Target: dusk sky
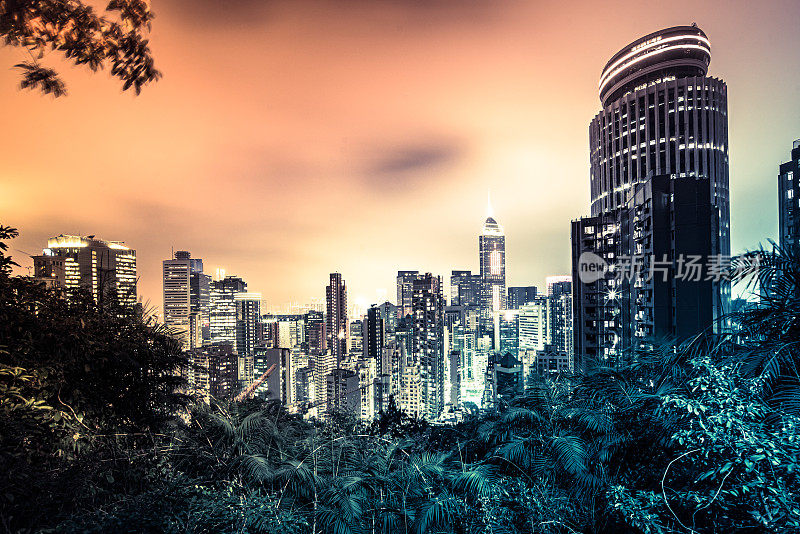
[[290, 139]]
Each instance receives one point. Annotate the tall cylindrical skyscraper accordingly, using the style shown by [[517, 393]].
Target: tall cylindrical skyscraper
[[661, 115]]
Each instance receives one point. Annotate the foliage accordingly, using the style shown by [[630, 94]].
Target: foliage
[[80, 383], [73, 29], [701, 437]]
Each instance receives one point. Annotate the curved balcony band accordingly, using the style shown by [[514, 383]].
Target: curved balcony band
[[681, 51]]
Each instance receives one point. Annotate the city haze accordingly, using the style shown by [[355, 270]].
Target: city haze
[[288, 140]]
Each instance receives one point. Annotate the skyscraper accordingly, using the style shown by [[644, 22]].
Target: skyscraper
[[559, 311], [428, 344], [519, 296], [315, 332], [333, 358], [200, 298], [789, 201], [465, 288], [661, 115], [186, 298], [374, 335], [104, 268], [506, 332], [222, 309], [177, 296], [534, 332], [336, 327], [405, 285], [492, 251], [660, 137], [248, 315]]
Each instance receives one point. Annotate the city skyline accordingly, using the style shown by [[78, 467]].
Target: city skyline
[[435, 181]]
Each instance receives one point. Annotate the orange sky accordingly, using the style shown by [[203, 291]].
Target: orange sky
[[289, 139]]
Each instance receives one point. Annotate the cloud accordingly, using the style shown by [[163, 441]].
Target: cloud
[[406, 164], [244, 13]]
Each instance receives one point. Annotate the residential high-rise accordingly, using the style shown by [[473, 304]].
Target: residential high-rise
[[374, 335], [462, 344], [248, 315], [279, 384], [428, 346], [405, 283], [212, 372], [789, 201], [200, 298], [388, 312], [664, 286], [504, 380], [356, 339], [104, 268], [343, 392], [336, 327], [336, 330], [465, 288], [291, 330], [506, 332], [519, 296]]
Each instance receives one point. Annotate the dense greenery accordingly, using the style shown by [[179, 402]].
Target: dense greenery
[[699, 439]]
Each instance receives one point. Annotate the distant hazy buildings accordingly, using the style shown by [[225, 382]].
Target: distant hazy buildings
[[789, 201], [103, 268]]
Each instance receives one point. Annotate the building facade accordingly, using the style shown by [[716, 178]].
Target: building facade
[[519, 296], [789, 201], [492, 255], [465, 288], [106, 269], [662, 130], [336, 317], [222, 309], [662, 115], [428, 347], [665, 230], [405, 290]]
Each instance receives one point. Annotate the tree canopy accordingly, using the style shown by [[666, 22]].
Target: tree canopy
[[73, 29]]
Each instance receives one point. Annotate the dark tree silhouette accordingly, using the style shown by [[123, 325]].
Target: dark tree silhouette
[[73, 29]]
